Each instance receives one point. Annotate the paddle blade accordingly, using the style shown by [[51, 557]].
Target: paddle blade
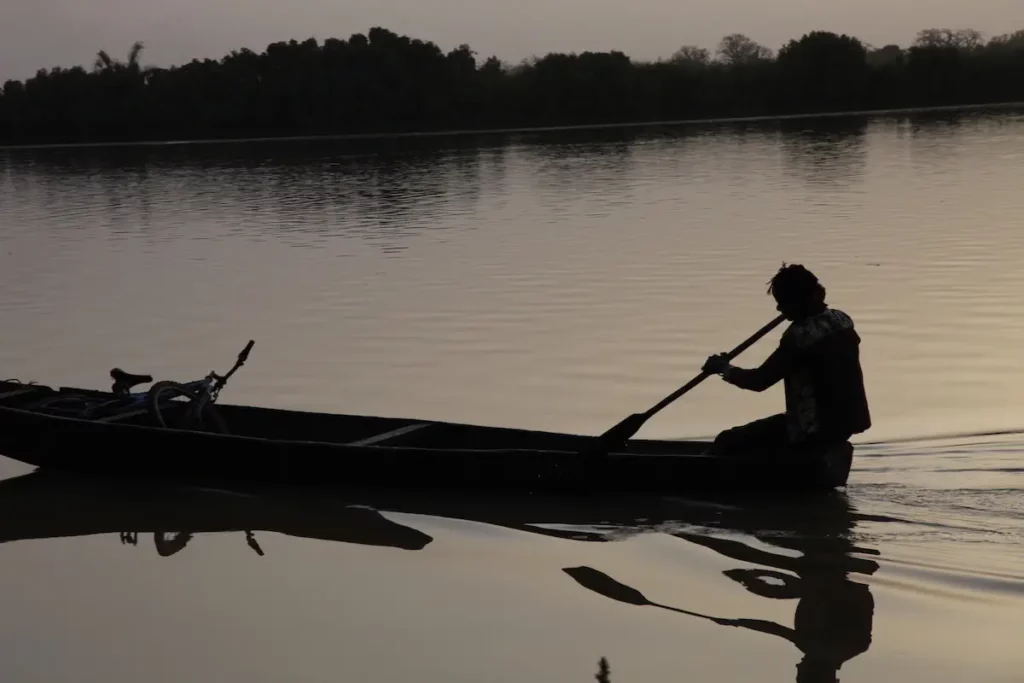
[[602, 584], [624, 430]]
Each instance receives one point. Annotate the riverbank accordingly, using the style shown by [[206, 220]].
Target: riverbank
[[527, 130]]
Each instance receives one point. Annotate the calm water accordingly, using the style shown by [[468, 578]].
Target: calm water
[[539, 282]]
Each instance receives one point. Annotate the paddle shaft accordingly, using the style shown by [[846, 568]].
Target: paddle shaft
[[684, 611], [754, 338], [623, 431]]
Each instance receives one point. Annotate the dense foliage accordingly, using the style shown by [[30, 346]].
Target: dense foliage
[[383, 82]]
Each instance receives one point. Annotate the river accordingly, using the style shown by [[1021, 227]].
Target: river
[[551, 281]]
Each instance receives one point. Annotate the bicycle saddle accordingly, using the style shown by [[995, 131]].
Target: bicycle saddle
[[125, 381]]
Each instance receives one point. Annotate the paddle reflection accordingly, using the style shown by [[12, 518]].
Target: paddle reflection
[[38, 506], [834, 614]]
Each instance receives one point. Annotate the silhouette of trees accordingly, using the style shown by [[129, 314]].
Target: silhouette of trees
[[961, 39], [691, 54], [739, 49], [382, 82], [1008, 41], [823, 71]]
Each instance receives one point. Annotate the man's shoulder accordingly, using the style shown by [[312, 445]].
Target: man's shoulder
[[840, 318], [806, 333]]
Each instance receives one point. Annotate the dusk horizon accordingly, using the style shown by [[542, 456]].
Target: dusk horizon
[[175, 35]]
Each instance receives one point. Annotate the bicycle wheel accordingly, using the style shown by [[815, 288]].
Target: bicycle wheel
[[165, 547], [173, 406]]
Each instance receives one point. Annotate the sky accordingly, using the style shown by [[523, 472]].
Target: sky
[[38, 34]]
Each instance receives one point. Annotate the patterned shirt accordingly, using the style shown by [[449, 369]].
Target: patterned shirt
[[818, 358]]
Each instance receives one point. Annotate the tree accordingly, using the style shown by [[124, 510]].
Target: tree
[[961, 39], [885, 56], [105, 63], [1013, 41], [824, 70], [737, 48], [383, 82], [691, 55]]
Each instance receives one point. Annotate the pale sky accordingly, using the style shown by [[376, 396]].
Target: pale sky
[[46, 33]]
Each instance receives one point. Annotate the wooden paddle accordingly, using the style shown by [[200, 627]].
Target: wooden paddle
[[602, 584], [623, 431]]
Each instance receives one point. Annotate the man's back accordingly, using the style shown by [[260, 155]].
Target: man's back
[[825, 395]]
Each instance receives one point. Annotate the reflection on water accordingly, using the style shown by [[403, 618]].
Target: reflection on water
[[833, 615], [379, 198], [808, 551], [38, 506], [805, 550], [833, 158], [815, 537], [168, 544]]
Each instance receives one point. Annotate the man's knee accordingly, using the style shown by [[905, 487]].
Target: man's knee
[[728, 441], [768, 433]]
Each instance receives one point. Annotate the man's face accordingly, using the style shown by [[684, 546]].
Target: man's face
[[786, 308]]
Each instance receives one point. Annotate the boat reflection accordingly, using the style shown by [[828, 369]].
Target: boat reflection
[[834, 614], [168, 544], [39, 505]]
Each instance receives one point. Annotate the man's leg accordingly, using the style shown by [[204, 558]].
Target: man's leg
[[829, 457], [765, 435]]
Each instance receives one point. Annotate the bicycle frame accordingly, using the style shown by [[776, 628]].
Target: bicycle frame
[[205, 392], [208, 388]]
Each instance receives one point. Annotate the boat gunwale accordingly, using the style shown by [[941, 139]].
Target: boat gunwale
[[373, 448]]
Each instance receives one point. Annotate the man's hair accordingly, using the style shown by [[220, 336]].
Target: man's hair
[[795, 283]]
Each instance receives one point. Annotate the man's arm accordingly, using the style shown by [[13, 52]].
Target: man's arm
[[773, 369]]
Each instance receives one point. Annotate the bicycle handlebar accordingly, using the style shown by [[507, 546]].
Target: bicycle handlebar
[[244, 355]]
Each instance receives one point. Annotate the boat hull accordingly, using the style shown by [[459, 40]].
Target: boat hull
[[272, 446]]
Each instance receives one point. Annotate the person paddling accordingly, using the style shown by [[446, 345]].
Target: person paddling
[[818, 359]]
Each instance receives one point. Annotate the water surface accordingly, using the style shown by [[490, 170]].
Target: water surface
[[545, 282]]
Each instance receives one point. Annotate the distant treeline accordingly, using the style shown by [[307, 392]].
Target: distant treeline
[[382, 82]]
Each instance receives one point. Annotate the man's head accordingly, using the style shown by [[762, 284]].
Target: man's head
[[797, 292]]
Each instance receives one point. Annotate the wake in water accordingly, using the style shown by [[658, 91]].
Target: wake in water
[[970, 482]]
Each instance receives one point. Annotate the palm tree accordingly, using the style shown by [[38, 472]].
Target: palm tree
[[105, 63]]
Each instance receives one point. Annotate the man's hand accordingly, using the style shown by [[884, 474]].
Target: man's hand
[[716, 364]]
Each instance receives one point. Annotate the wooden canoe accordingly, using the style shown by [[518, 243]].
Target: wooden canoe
[[278, 446]]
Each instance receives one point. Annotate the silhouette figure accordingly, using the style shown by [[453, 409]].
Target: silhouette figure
[[834, 614], [818, 361]]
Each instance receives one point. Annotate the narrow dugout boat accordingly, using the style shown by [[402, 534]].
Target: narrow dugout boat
[[177, 431], [264, 445]]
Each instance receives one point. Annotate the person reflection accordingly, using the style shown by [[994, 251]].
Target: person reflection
[[834, 614]]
